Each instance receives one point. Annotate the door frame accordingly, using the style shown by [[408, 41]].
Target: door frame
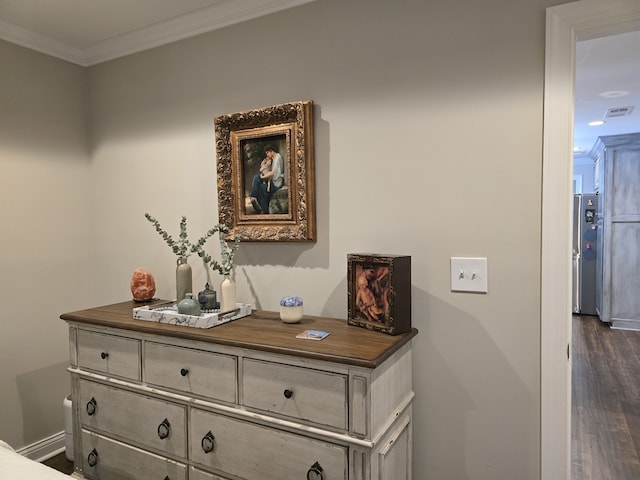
[[566, 24]]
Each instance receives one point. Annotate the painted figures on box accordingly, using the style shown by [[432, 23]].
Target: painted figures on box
[[372, 295]]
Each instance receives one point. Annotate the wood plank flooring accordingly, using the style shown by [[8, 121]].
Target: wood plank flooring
[[605, 415], [60, 463]]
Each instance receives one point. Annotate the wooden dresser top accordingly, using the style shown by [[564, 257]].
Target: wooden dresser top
[[263, 331]]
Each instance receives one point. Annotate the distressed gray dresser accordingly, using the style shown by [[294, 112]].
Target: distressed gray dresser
[[244, 400]]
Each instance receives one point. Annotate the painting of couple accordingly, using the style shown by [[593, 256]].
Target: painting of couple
[[264, 173]]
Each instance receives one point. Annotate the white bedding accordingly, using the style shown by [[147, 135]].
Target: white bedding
[[14, 466]]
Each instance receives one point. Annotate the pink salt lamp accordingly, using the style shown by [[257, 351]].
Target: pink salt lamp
[[143, 285]]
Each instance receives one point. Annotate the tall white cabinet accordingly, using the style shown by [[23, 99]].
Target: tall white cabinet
[[617, 168], [244, 400]]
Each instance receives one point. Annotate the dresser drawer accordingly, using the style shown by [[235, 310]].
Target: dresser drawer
[[110, 354], [149, 422], [195, 474], [106, 459], [302, 393], [196, 372], [253, 452]]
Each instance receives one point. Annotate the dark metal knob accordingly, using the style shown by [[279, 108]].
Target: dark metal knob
[[104, 355], [91, 406], [184, 372], [315, 472], [207, 442], [92, 458], [164, 429], [288, 393]]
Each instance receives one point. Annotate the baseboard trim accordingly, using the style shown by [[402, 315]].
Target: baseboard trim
[[622, 324], [45, 448]]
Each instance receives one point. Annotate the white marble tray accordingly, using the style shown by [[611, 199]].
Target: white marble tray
[[168, 313]]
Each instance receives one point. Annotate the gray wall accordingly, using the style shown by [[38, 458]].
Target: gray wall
[[586, 169], [428, 143], [46, 254]]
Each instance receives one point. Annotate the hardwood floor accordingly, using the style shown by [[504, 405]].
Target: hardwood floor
[[60, 463], [605, 415]]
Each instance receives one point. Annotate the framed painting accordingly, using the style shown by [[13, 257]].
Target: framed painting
[[265, 169], [379, 292]]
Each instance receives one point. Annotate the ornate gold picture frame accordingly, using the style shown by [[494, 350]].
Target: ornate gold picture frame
[[265, 169]]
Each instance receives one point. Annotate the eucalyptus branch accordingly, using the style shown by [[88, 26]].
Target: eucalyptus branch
[[208, 260], [197, 247], [183, 247], [227, 254], [180, 247]]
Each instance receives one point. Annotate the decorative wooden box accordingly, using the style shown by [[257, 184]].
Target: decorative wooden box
[[379, 296]]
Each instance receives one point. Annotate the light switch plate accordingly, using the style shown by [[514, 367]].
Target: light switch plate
[[468, 274]]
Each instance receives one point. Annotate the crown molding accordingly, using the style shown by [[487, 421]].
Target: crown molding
[[40, 43], [204, 20]]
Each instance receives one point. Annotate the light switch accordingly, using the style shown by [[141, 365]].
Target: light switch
[[468, 274]]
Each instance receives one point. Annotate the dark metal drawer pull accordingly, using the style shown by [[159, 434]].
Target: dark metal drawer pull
[[184, 372], [207, 442], [164, 429], [91, 406], [315, 472], [104, 355], [92, 458], [288, 393]]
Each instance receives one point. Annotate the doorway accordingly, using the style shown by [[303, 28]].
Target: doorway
[[565, 25]]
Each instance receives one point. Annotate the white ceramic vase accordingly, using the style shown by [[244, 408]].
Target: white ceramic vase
[[227, 294], [291, 314]]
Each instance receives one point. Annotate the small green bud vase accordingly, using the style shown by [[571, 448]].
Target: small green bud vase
[[189, 306]]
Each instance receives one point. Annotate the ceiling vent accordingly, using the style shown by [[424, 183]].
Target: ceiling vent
[[618, 112]]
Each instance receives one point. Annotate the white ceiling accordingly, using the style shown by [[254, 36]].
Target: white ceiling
[[88, 32], [607, 76]]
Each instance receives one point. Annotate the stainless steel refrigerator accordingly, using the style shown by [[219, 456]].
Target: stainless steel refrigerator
[[585, 252]]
